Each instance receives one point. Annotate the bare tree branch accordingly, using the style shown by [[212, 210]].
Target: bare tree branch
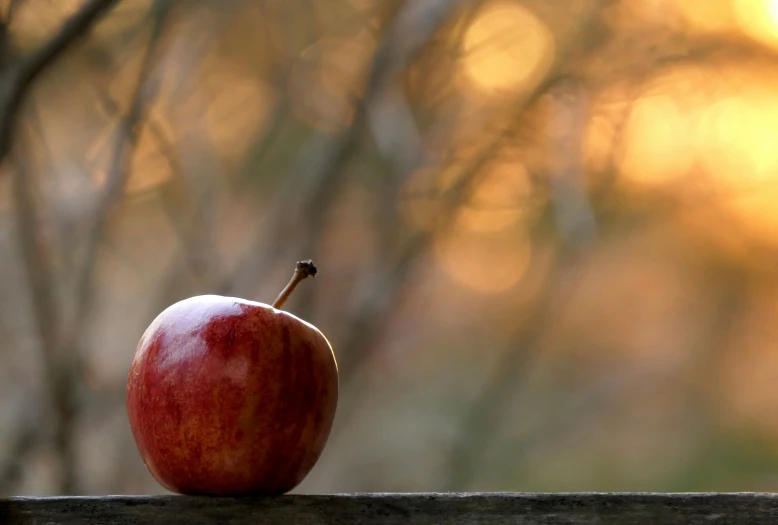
[[481, 416], [14, 87], [368, 312], [301, 205], [47, 315], [19, 75], [576, 228], [413, 25], [59, 339], [125, 139]]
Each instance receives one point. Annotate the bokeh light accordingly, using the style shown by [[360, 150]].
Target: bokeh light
[[484, 262], [740, 145], [758, 19], [727, 129], [504, 47], [658, 148], [708, 16]]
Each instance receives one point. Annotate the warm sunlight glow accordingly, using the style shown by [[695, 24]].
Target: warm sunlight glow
[[504, 47], [757, 210], [758, 19], [740, 145], [486, 263], [709, 16], [724, 125], [658, 144]]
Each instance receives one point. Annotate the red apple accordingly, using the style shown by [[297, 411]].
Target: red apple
[[230, 397]]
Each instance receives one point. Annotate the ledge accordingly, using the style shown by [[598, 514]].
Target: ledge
[[414, 508]]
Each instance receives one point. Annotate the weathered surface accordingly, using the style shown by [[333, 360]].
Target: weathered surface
[[384, 509]]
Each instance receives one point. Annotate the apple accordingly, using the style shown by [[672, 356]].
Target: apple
[[229, 397]]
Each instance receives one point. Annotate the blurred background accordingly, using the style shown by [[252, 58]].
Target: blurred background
[[547, 231]]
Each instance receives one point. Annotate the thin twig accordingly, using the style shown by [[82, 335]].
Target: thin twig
[[71, 332], [321, 169], [412, 26], [390, 285], [387, 289], [118, 170], [562, 280], [184, 228], [480, 418], [16, 81], [311, 185]]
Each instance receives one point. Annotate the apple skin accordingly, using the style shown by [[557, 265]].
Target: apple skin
[[231, 397]]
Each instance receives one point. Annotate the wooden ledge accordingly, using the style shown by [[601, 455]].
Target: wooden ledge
[[406, 509]]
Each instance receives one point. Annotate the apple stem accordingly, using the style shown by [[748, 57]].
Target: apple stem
[[301, 271]]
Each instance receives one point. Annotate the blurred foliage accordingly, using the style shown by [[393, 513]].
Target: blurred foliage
[[546, 232]]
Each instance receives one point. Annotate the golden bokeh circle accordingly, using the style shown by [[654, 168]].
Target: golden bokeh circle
[[504, 48]]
